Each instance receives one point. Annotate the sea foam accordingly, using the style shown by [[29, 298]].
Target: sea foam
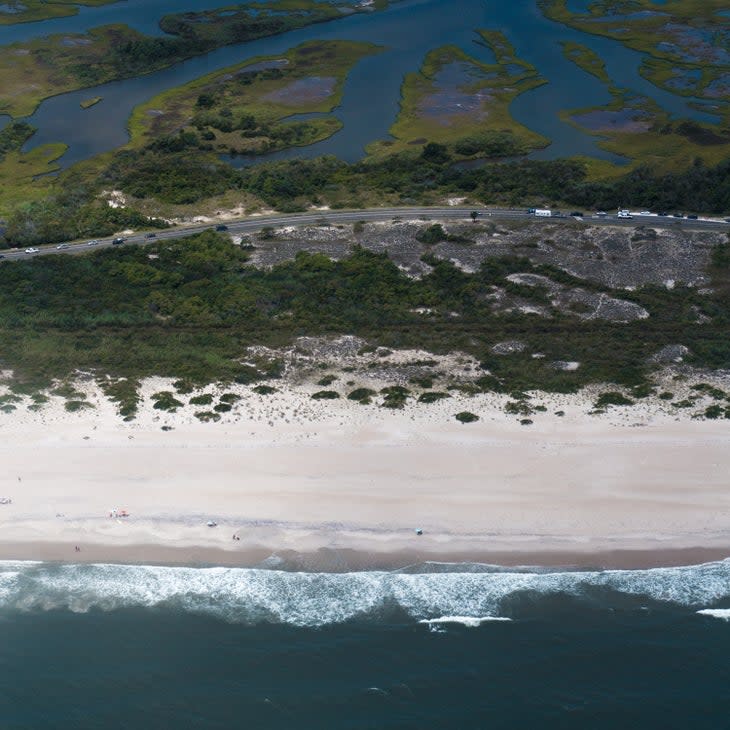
[[723, 613], [315, 599]]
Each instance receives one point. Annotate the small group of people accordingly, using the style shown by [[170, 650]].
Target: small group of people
[[236, 537]]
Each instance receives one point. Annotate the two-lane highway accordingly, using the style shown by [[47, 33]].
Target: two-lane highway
[[256, 223]]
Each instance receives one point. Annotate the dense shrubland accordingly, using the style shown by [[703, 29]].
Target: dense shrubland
[[189, 309]]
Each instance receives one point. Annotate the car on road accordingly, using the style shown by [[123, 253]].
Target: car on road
[[2, 256], [62, 246], [150, 235], [692, 217], [646, 212], [600, 214], [221, 227], [576, 214], [92, 243], [663, 214], [32, 250], [118, 241]]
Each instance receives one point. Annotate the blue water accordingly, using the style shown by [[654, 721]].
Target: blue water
[[142, 647], [407, 30]]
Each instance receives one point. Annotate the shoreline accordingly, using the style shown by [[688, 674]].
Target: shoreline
[[338, 486], [327, 560]]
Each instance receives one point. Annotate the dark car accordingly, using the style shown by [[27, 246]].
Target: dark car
[[150, 235], [577, 214], [118, 241], [692, 217], [221, 227], [664, 214], [677, 215]]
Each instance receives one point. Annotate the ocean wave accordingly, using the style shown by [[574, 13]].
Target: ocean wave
[[315, 599], [723, 613], [470, 621]]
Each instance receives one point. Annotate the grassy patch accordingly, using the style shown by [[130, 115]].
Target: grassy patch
[[26, 11], [466, 417], [587, 59], [458, 101], [243, 108]]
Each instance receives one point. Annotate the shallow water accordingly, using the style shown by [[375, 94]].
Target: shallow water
[[140, 647], [408, 30]]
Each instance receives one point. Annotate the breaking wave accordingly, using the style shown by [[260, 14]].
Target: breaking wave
[[253, 596]]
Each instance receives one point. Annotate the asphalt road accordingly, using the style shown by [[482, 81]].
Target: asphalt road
[[248, 225]]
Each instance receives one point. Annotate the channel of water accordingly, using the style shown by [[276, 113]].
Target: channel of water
[[407, 30]]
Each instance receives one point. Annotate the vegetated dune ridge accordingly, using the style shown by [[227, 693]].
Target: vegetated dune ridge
[[338, 485]]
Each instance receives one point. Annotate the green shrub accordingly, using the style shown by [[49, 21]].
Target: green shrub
[[432, 235], [325, 395], [612, 398], [714, 411], [362, 395], [466, 417], [183, 386], [432, 396], [642, 391], [207, 416], [395, 396], [222, 407], [517, 408], [166, 401], [327, 380], [666, 395], [230, 398], [204, 399], [77, 405], [264, 389]]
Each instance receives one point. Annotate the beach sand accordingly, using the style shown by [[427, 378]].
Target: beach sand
[[341, 486]]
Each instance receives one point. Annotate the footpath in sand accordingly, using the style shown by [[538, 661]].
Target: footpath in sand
[[290, 476]]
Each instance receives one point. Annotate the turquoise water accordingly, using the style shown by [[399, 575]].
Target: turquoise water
[[407, 30], [135, 647]]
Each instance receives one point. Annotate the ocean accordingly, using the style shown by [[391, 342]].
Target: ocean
[[430, 646]]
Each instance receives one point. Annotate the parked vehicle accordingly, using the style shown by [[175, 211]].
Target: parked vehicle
[[692, 217], [221, 227], [543, 212], [151, 235], [62, 246], [624, 213], [31, 250], [92, 243], [118, 241], [577, 214]]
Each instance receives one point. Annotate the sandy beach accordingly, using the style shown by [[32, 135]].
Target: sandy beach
[[338, 485]]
